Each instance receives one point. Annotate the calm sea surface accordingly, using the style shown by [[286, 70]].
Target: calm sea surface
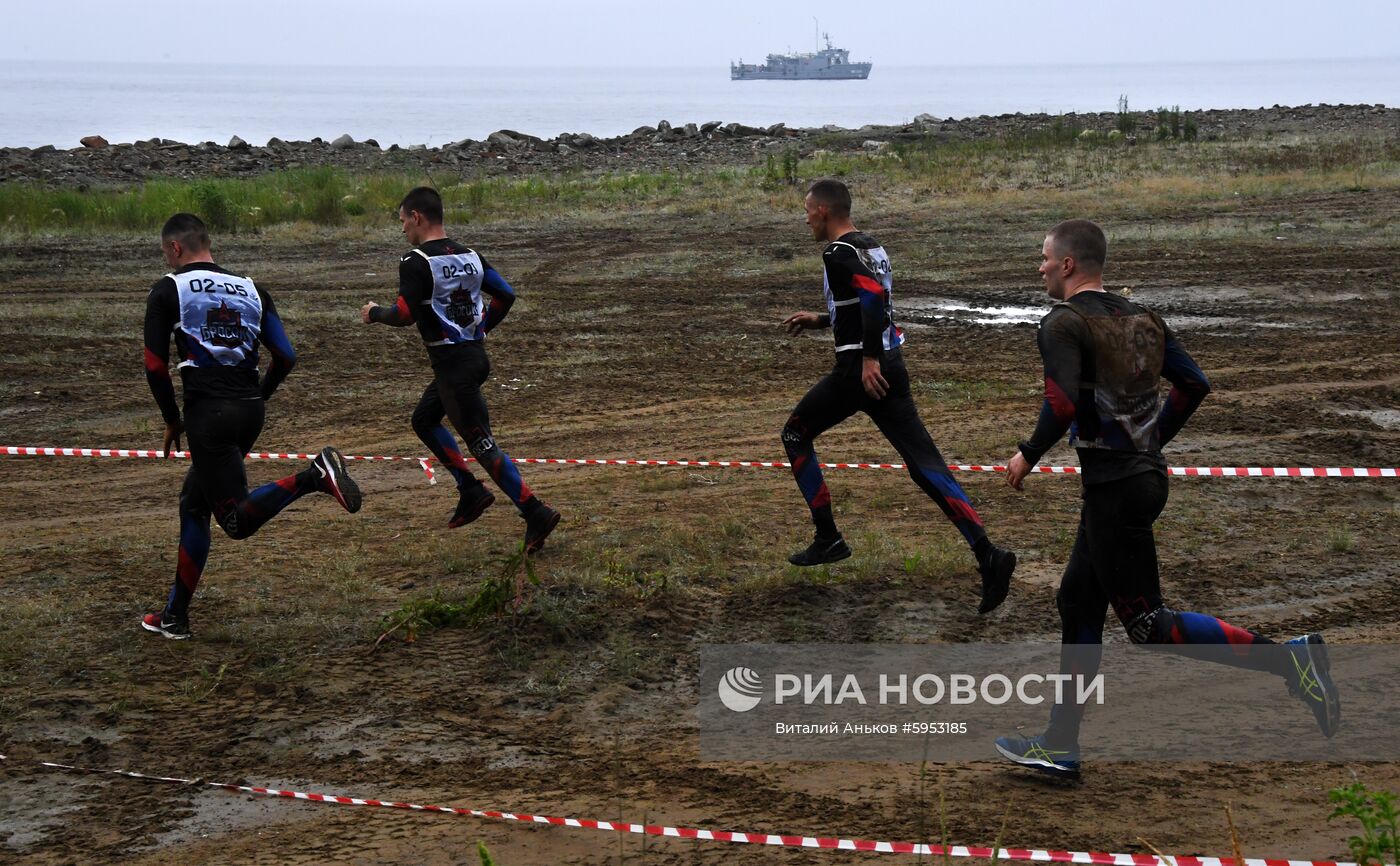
[[52, 103]]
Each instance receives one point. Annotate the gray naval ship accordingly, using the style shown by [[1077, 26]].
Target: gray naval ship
[[828, 64]]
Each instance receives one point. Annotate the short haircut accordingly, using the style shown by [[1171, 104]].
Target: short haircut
[[1082, 241], [833, 194], [188, 230], [426, 201]]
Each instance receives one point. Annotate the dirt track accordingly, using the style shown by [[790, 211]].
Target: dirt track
[[652, 336]]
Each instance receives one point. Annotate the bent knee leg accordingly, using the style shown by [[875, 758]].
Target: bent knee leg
[[481, 445], [1156, 626], [794, 436]]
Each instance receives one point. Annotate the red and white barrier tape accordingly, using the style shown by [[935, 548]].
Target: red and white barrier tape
[[426, 464], [827, 843]]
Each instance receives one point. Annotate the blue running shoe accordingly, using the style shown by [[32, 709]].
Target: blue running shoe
[[1310, 680], [1033, 752]]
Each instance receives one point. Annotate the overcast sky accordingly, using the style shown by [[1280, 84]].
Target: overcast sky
[[702, 33]]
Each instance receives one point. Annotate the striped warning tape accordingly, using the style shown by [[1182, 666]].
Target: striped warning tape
[[1030, 855], [426, 463]]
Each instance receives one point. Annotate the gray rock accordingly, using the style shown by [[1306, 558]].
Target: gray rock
[[369, 142], [564, 149], [417, 148], [93, 142], [876, 146], [691, 131], [831, 127], [711, 126], [583, 139], [927, 118], [343, 143], [663, 126], [643, 132], [237, 143], [44, 148], [501, 138], [777, 129]]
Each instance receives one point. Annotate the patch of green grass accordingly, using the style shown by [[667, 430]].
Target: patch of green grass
[[1056, 160], [1341, 540]]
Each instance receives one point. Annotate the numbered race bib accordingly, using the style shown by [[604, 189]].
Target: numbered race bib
[[221, 318], [456, 301]]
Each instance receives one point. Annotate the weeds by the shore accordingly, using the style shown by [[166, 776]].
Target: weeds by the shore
[[1058, 158]]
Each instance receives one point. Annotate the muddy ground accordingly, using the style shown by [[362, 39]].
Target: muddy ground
[[655, 335]]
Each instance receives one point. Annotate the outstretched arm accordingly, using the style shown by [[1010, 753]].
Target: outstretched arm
[[502, 297], [162, 313], [274, 336], [1060, 350], [1189, 388], [413, 272]]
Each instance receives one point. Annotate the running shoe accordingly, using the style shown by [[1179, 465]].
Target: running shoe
[[1033, 752], [996, 569], [471, 506], [822, 551], [165, 625], [336, 480], [539, 523], [1310, 680]]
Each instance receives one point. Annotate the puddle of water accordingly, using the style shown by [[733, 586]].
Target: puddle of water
[[931, 309], [27, 817], [216, 813], [1386, 418], [1202, 322], [945, 308]]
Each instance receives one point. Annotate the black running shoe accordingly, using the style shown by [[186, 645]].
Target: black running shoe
[[1310, 680], [538, 525], [822, 551], [165, 625], [470, 507], [996, 572], [336, 480]]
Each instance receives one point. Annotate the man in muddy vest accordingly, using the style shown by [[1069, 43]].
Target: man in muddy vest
[[1104, 358]]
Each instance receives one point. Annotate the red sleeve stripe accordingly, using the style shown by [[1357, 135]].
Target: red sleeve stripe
[[865, 284], [154, 364], [1059, 402], [405, 314]]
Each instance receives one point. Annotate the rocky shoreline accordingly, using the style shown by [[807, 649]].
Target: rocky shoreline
[[664, 146]]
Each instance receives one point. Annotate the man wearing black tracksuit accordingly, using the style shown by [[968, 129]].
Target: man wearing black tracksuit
[[218, 320], [444, 288], [870, 377], [1104, 358]]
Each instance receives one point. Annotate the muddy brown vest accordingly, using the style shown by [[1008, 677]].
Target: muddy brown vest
[[1129, 351]]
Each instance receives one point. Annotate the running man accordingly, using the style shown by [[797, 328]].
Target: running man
[[870, 377], [444, 287], [1104, 358], [218, 320]]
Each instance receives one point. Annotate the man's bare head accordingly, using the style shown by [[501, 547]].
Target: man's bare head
[[1082, 241], [828, 204], [188, 230], [183, 239], [1072, 256]]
